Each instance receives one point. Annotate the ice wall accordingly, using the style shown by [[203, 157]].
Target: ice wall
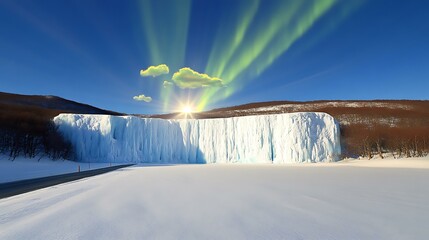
[[281, 138]]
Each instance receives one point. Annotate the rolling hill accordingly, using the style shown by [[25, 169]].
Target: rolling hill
[[52, 104]]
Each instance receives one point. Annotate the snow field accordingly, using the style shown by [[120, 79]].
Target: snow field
[[342, 200], [26, 168]]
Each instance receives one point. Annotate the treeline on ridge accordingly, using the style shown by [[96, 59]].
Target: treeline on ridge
[[29, 131], [371, 140], [371, 131]]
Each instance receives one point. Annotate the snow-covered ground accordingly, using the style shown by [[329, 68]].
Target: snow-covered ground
[[26, 168], [359, 199]]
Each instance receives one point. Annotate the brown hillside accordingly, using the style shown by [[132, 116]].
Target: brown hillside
[[58, 104], [26, 127]]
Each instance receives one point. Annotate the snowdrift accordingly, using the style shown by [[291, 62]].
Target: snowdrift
[[281, 138]]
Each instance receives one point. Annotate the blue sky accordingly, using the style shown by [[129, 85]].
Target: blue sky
[[93, 51]]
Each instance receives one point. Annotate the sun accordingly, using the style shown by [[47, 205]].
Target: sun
[[187, 110]]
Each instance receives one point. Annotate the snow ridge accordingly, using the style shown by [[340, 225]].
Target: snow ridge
[[280, 138]]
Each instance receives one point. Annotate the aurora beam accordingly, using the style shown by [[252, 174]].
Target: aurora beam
[[166, 30], [289, 22], [224, 49]]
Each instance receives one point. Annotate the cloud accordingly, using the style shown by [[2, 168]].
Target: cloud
[[167, 84], [155, 71], [188, 78], [142, 97]]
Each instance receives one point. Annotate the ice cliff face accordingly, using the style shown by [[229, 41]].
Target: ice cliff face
[[282, 138]]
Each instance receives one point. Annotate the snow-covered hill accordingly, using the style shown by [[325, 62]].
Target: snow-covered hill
[[281, 138]]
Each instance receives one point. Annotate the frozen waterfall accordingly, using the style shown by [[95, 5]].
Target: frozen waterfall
[[280, 138]]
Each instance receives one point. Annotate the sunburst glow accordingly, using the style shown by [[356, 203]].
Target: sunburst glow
[[187, 110]]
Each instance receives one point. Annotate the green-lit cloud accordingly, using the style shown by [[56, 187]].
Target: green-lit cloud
[[188, 78], [167, 84], [155, 71], [142, 97]]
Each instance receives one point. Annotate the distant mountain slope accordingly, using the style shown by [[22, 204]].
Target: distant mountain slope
[[390, 112], [53, 103]]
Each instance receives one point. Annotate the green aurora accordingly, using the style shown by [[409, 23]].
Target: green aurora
[[243, 48]]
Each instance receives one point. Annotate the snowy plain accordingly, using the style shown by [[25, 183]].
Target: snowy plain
[[352, 199], [27, 168]]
